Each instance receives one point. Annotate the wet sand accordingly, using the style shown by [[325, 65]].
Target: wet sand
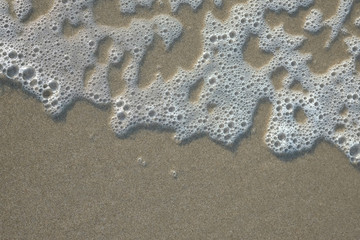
[[72, 178]]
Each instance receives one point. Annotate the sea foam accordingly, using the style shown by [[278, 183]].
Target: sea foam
[[52, 67]]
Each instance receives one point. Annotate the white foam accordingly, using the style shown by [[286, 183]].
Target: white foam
[[314, 21], [357, 22], [129, 6], [52, 67], [218, 3], [55, 58], [22, 8]]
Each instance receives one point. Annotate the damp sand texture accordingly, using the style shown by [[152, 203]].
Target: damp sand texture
[[72, 178]]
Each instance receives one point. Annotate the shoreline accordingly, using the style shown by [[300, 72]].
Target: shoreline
[[73, 178]]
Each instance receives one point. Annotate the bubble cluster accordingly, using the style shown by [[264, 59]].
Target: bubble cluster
[[22, 8], [59, 70], [231, 87], [314, 20], [129, 6], [52, 67]]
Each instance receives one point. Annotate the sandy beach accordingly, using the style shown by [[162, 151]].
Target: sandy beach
[[72, 178]]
